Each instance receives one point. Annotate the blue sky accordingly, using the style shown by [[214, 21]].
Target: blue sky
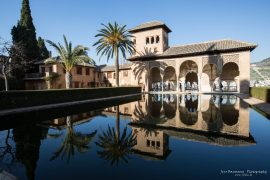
[[191, 21]]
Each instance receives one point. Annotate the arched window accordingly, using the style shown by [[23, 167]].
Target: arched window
[[152, 40], [157, 39], [147, 40]]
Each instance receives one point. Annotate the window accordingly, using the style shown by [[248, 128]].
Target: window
[[153, 143], [155, 50], [126, 110], [157, 39], [50, 69], [42, 70], [125, 73], [152, 40], [76, 84], [79, 70], [109, 75], [147, 40], [148, 143], [158, 144], [87, 71]]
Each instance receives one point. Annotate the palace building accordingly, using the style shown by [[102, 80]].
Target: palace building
[[213, 66], [221, 65]]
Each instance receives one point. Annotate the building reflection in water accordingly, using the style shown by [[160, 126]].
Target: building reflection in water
[[214, 119]]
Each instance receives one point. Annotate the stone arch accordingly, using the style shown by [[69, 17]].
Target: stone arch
[[230, 77], [169, 105], [209, 74], [155, 79], [191, 81], [189, 113], [169, 79], [229, 115], [188, 68], [211, 118]]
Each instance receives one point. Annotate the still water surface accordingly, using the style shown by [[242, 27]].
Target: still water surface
[[157, 137]]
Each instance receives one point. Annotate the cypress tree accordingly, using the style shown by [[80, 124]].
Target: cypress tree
[[25, 33], [44, 53]]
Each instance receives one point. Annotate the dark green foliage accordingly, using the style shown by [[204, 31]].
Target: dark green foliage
[[17, 99], [13, 82], [262, 93], [25, 33], [44, 53], [28, 140]]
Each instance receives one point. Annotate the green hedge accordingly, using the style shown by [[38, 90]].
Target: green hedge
[[17, 99], [262, 93], [13, 83]]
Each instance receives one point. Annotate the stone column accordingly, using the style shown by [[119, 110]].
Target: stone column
[[218, 87], [162, 83], [177, 82], [199, 82]]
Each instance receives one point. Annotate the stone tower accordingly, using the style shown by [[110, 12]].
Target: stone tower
[[150, 38]]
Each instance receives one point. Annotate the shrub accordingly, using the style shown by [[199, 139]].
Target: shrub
[[17, 99], [262, 93]]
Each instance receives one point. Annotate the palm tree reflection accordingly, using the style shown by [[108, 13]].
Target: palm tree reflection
[[73, 140], [116, 147]]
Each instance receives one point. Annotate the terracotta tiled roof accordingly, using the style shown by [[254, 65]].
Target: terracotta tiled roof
[[79, 64], [112, 68], [150, 25], [209, 47]]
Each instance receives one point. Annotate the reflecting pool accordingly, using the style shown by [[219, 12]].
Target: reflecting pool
[[169, 136]]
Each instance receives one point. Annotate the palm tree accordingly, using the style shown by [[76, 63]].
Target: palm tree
[[115, 146], [114, 37], [69, 57], [73, 140]]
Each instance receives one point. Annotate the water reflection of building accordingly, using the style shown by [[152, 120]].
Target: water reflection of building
[[214, 119], [76, 119], [151, 143], [224, 114]]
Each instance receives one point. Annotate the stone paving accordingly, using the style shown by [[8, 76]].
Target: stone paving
[[262, 106]]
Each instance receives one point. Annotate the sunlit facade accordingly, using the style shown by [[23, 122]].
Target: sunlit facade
[[214, 66]]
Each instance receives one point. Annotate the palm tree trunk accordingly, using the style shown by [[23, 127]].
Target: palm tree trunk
[[116, 67], [68, 80], [68, 121], [5, 77], [117, 125]]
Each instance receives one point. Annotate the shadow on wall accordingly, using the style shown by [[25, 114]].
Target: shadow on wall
[[141, 67], [215, 67], [147, 52], [244, 86]]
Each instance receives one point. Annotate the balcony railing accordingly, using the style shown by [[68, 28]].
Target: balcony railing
[[34, 75], [38, 75]]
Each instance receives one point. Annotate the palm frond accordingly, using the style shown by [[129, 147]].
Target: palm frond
[[71, 56]]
